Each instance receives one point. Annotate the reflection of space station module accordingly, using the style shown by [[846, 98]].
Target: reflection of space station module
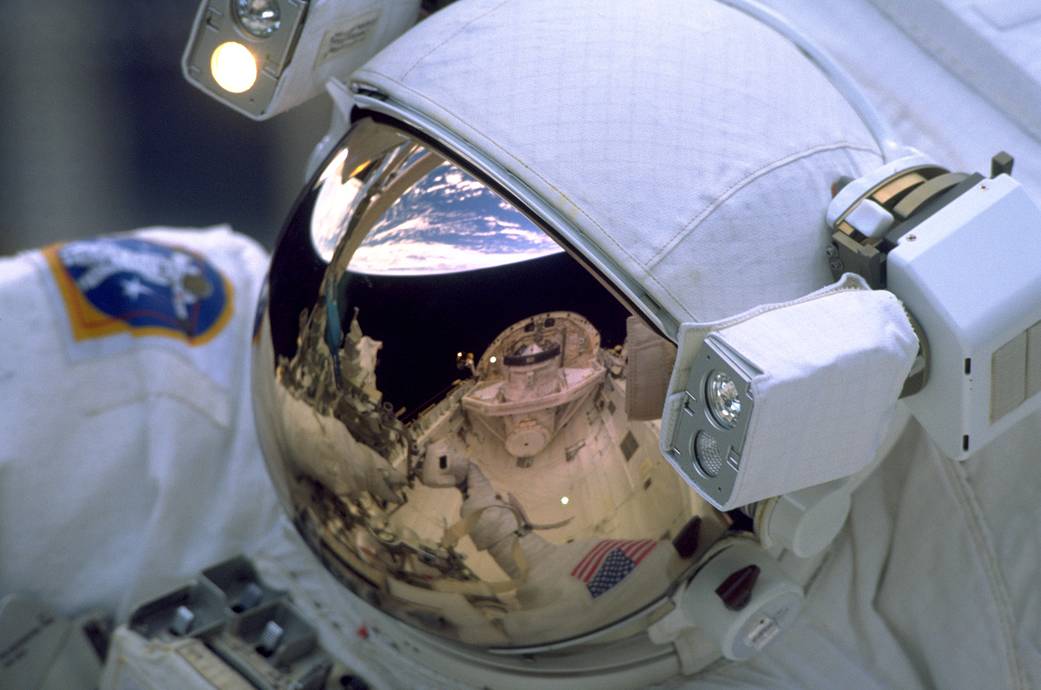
[[533, 378], [547, 398]]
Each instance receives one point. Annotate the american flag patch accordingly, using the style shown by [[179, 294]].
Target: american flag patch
[[610, 561]]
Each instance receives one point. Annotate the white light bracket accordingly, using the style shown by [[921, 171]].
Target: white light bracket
[[315, 41], [805, 522], [214, 25]]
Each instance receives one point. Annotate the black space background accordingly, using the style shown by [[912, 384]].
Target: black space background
[[100, 132]]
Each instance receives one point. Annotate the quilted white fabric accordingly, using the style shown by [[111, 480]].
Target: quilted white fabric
[[991, 44], [122, 472], [693, 145]]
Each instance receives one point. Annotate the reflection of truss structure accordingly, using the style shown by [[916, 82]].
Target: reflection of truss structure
[[350, 536], [350, 398]]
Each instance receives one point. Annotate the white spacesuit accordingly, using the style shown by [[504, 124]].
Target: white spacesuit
[[697, 168]]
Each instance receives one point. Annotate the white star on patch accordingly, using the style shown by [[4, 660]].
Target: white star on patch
[[134, 288]]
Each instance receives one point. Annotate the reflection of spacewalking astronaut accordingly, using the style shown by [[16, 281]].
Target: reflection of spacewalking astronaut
[[554, 582]]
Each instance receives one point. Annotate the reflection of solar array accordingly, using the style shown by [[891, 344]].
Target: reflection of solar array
[[450, 209]]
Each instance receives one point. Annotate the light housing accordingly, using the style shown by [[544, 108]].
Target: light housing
[[216, 25], [787, 396], [712, 456], [298, 46]]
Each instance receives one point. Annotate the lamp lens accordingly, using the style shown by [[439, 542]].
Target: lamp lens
[[234, 68], [259, 17], [706, 452], [724, 399]]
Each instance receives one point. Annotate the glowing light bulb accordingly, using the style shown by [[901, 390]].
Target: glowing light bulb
[[233, 67], [564, 500], [493, 359]]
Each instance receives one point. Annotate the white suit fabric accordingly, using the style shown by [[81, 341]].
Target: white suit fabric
[[128, 461], [111, 487]]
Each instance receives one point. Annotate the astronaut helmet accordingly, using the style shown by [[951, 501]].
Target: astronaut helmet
[[471, 318]]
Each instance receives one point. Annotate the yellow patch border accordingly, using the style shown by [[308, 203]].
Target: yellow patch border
[[89, 323]]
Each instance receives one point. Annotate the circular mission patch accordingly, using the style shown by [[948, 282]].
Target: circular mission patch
[[128, 285]]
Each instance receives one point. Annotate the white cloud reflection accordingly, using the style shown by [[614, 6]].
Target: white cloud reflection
[[449, 222], [330, 213], [426, 258]]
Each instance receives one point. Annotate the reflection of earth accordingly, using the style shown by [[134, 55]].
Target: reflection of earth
[[449, 222]]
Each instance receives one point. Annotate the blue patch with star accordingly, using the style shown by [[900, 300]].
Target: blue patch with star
[[141, 287]]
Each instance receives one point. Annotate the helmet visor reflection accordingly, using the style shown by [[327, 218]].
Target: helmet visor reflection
[[440, 391]]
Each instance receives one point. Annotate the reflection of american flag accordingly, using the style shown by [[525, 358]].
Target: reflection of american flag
[[609, 562]]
